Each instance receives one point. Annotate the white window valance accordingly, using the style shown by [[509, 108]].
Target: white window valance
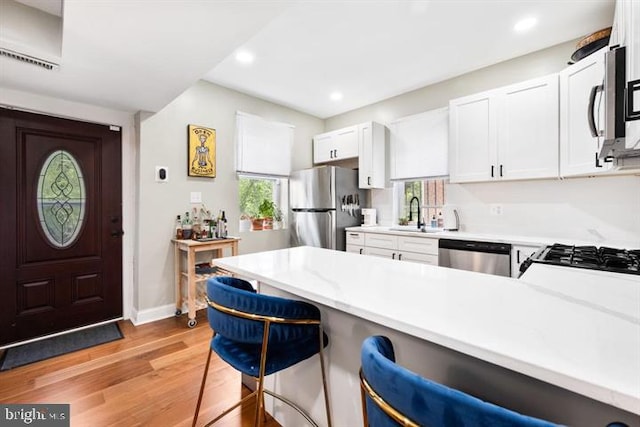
[[263, 146]]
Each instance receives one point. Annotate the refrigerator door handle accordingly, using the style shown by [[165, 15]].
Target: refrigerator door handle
[[331, 237]]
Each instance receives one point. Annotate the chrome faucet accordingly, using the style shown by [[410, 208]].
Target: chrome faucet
[[411, 211]]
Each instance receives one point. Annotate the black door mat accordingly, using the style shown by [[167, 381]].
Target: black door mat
[[61, 344]]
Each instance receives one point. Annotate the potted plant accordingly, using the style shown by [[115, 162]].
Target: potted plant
[[277, 218], [266, 211], [245, 222]]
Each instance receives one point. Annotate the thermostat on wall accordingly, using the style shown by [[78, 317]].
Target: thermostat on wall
[[162, 174]]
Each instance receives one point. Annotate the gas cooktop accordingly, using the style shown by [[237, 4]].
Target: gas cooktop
[[589, 257]]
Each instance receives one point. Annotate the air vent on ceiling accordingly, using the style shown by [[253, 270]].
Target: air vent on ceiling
[[29, 59]]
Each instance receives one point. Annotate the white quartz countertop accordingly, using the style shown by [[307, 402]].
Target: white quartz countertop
[[582, 338], [496, 238]]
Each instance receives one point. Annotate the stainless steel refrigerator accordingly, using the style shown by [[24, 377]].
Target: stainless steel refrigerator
[[323, 201]]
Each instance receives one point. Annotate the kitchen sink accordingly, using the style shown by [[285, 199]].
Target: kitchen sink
[[414, 229]]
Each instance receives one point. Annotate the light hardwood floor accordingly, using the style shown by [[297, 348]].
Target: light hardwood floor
[[151, 377]]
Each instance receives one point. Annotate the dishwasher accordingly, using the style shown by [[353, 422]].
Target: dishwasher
[[481, 257]]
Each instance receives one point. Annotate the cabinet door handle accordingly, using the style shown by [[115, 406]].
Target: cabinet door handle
[[335, 153], [331, 154], [393, 255], [360, 251], [492, 167], [598, 164], [500, 170], [353, 234], [399, 257], [368, 180], [518, 256]]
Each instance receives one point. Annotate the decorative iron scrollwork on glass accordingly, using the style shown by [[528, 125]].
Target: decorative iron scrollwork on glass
[[61, 198]]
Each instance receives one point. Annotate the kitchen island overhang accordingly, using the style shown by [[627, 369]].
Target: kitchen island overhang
[[509, 323]]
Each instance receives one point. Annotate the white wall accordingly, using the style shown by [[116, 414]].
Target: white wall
[[582, 208], [163, 142], [91, 113]]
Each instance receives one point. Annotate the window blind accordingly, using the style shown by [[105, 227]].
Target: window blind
[[263, 146]]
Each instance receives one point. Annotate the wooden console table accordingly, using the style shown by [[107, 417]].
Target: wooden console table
[[191, 247]]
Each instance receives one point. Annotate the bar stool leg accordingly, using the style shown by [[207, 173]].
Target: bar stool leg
[[204, 380], [324, 376], [263, 362]]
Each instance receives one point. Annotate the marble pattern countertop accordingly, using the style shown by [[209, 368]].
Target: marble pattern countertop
[[582, 338], [496, 238]]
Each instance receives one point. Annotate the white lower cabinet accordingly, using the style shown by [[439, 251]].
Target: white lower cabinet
[[355, 242], [382, 241], [418, 249], [379, 252], [519, 254], [355, 249], [403, 248]]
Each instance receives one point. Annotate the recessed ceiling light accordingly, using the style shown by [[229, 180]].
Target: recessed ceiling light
[[244, 57], [336, 96], [525, 24]]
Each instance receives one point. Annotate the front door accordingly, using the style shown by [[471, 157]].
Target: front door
[[60, 225]]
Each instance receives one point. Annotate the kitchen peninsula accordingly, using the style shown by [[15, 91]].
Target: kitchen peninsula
[[514, 343]]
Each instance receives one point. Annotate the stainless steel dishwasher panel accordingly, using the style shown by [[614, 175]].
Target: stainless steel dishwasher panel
[[481, 257]]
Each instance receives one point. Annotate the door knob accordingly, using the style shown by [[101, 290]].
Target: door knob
[[117, 233]]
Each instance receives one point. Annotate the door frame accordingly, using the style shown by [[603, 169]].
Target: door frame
[[54, 107]]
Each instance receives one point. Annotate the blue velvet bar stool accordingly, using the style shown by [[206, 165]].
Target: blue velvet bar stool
[[393, 395], [260, 335]]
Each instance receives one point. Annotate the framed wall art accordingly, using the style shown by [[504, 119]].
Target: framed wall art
[[202, 151]]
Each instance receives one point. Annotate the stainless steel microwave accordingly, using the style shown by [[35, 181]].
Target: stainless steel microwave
[[619, 107]]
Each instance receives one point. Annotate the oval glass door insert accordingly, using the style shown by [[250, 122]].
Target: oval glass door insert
[[61, 198]]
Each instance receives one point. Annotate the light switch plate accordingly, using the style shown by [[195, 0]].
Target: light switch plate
[[162, 174], [196, 197]]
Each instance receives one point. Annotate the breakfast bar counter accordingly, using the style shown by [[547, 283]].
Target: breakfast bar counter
[[515, 343]]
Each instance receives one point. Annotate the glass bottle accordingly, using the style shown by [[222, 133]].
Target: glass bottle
[[186, 226], [223, 220], [206, 228], [178, 228], [196, 229]]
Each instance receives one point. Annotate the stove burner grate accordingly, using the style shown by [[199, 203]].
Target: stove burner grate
[[591, 257]]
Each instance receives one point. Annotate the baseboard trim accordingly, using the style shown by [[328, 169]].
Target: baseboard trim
[[152, 314]]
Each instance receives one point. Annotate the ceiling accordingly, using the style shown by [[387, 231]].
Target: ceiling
[[140, 55], [53, 7]]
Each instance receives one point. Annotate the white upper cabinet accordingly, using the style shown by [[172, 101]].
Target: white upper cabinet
[[528, 130], [372, 168], [508, 133], [578, 148], [336, 145], [472, 137], [420, 145]]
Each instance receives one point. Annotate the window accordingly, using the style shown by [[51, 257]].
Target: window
[[263, 151], [254, 190], [61, 199], [430, 193], [263, 147]]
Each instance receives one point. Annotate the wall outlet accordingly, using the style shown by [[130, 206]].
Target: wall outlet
[[196, 197], [495, 209]]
